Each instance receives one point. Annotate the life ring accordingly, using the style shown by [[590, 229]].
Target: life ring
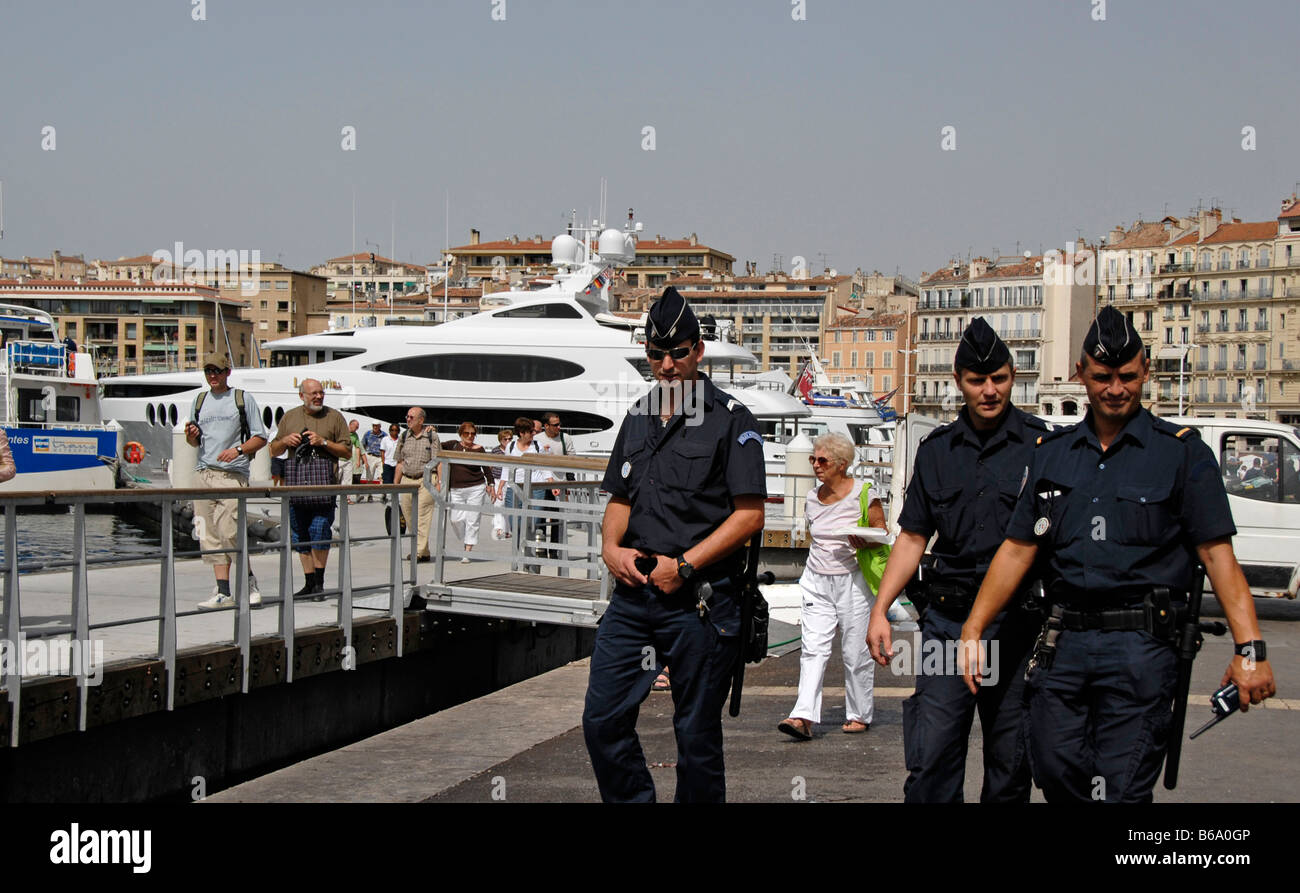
[[133, 453]]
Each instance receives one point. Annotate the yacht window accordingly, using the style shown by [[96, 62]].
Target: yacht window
[[338, 354], [144, 390], [67, 409], [290, 358], [541, 311], [483, 367]]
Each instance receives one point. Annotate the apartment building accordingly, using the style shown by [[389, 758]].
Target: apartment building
[[1218, 304], [658, 260], [1038, 305], [373, 277], [778, 317], [871, 353], [139, 327]]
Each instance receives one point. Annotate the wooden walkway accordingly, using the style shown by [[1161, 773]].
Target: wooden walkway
[[569, 601]]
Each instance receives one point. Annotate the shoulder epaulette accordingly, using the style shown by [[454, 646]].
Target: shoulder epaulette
[[1033, 421], [734, 404], [1181, 433]]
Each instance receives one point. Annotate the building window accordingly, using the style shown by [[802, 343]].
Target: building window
[[853, 359], [835, 359], [887, 359]]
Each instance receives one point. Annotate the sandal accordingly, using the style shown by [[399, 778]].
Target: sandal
[[662, 682], [855, 727], [800, 729]]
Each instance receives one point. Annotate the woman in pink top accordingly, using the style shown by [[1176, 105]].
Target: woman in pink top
[[834, 592]]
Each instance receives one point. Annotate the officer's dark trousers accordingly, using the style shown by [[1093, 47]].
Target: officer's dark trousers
[[622, 670], [937, 718], [1099, 718]]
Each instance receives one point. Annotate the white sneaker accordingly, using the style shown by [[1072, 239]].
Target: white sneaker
[[254, 594], [464, 560], [217, 602]]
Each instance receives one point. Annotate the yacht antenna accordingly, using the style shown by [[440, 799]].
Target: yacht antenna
[[352, 286], [2, 209], [446, 252]]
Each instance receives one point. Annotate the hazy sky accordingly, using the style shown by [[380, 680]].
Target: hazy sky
[[771, 135]]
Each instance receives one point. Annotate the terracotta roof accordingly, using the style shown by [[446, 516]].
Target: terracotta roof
[[364, 257], [1242, 232], [947, 275], [138, 259], [1292, 210], [1190, 239], [527, 246], [1144, 235], [1008, 271], [888, 321]]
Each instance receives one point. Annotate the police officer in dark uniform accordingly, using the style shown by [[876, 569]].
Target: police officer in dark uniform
[[967, 479], [687, 483], [1122, 505]]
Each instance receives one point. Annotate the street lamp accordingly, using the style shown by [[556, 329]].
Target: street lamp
[[1169, 352]]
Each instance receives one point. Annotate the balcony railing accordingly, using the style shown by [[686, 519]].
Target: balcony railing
[[1220, 365], [1203, 328], [1259, 364], [1221, 397], [1243, 327], [1176, 268], [1202, 367], [1261, 325], [1222, 327], [1239, 365]]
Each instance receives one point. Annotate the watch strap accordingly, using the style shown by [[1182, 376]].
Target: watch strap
[[1252, 650]]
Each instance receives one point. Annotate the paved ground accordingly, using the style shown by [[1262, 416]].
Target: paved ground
[[524, 744]]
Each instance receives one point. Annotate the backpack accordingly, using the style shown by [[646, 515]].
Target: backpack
[[239, 403], [873, 558]]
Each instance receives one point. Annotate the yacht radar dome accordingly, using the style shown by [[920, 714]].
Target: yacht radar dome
[[616, 245], [564, 250]]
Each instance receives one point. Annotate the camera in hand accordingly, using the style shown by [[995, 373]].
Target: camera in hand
[[199, 435], [305, 450]]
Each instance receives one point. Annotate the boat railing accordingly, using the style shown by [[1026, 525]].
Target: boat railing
[[385, 593], [37, 358]]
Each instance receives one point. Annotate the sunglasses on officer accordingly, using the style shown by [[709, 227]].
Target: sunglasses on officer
[[677, 353]]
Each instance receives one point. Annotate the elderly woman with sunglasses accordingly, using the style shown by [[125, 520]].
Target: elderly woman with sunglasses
[[834, 592], [468, 487]]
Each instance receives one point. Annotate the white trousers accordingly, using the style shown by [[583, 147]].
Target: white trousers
[[464, 522], [831, 600]]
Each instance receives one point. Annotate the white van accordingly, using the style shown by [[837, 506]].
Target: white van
[[1260, 464]]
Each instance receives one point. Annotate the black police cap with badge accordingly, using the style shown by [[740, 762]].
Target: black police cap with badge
[[671, 321], [981, 350], [1111, 339]]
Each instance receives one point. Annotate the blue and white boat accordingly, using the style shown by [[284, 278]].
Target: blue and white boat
[[49, 407]]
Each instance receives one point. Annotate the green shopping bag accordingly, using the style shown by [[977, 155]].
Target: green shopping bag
[[873, 558]]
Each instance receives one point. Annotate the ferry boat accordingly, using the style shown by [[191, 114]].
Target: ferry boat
[[552, 346], [49, 405]]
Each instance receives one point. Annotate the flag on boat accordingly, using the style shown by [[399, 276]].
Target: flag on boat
[[599, 281], [882, 402], [805, 382]]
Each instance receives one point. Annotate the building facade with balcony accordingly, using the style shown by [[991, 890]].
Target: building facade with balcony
[[777, 317], [136, 328], [1035, 304], [1218, 310], [869, 353], [372, 277], [657, 259]]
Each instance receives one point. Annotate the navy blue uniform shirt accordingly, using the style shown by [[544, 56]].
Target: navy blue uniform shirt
[[967, 491], [682, 479], [1123, 520]]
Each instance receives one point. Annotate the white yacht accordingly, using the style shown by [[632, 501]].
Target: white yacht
[[50, 409], [555, 347]]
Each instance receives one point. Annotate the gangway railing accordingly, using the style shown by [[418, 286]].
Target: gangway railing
[[167, 614]]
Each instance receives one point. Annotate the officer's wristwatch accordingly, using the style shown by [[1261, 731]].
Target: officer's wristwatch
[[1252, 650], [685, 569]]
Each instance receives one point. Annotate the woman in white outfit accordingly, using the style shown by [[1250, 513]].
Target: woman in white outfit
[[468, 487], [834, 593]]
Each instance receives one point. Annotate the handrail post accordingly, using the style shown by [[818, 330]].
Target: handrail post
[[243, 622], [13, 622], [440, 518], [167, 600], [345, 581], [286, 587], [80, 609], [396, 599]]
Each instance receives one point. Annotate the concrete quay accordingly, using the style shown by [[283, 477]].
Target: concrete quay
[[524, 743]]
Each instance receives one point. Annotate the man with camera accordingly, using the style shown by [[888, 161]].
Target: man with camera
[[226, 427], [317, 437], [686, 483]]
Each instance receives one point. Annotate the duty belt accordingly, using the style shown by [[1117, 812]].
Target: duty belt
[[950, 598], [1158, 614]]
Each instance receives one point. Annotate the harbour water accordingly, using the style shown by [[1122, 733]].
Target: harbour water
[[45, 539]]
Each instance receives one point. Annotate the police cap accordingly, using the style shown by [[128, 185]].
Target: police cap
[[981, 350], [1111, 339], [671, 321]]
